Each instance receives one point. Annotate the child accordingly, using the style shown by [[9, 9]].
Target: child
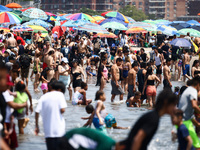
[[134, 101], [44, 80], [184, 139], [79, 96], [109, 119], [20, 98], [176, 90]]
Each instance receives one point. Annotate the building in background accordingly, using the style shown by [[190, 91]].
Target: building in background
[[193, 7]]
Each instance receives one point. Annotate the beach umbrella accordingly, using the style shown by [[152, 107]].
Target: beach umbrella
[[9, 17], [162, 22], [72, 23], [26, 9], [196, 27], [193, 22], [115, 14], [131, 20], [136, 30], [20, 28], [35, 13], [98, 18], [113, 20], [114, 25], [51, 18], [50, 14], [149, 21], [181, 42], [13, 5], [81, 16], [17, 12], [105, 35], [3, 8], [5, 29], [192, 32], [168, 30], [38, 22], [39, 28], [92, 28], [61, 18], [59, 30], [139, 24]]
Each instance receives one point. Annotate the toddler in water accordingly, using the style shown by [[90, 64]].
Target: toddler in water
[[20, 98], [184, 139], [109, 120], [134, 101], [79, 96]]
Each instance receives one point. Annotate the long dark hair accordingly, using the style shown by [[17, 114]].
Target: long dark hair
[[195, 62], [149, 72]]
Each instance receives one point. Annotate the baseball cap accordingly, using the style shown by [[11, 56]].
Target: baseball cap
[[65, 60]]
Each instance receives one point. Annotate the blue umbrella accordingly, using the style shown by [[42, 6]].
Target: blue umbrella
[[181, 42], [61, 18], [193, 22], [114, 20], [38, 22], [3, 8], [168, 30], [72, 23], [92, 28]]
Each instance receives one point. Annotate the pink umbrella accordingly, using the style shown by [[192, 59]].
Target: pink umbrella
[[50, 14]]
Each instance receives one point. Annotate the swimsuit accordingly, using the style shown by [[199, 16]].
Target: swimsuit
[[77, 97], [76, 82], [151, 89], [105, 72]]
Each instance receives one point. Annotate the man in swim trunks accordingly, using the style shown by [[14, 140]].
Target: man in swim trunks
[[188, 104], [132, 80], [167, 74], [186, 65], [82, 49], [116, 88]]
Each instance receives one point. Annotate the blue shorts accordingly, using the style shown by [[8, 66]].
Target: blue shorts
[[187, 70], [94, 74], [98, 126], [110, 121]]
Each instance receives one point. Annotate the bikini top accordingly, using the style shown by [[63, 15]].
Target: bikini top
[[75, 75], [150, 82], [196, 72]]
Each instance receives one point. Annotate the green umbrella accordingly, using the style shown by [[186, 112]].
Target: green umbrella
[[114, 25], [192, 32], [17, 12], [25, 19]]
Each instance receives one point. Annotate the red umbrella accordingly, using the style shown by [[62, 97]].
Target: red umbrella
[[26, 9], [58, 29]]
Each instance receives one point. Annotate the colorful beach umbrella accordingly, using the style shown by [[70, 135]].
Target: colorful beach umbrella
[[26, 9], [139, 24], [114, 25], [38, 22], [98, 18], [3, 8], [9, 17], [180, 25], [13, 5], [21, 28], [113, 20], [136, 30], [72, 23], [50, 14], [106, 35], [115, 14], [193, 22], [168, 30], [92, 28], [81, 16], [192, 32], [181, 42], [17, 12], [131, 20], [5, 29], [35, 13], [39, 28]]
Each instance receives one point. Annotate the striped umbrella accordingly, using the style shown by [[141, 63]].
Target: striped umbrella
[[92, 28], [50, 14], [9, 17], [81, 16], [136, 30], [114, 25], [106, 35], [21, 28], [3, 8], [35, 13], [168, 30], [39, 23], [192, 32], [72, 23], [115, 14], [5, 29], [98, 18]]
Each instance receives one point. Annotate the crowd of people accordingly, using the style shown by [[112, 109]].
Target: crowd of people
[[56, 63]]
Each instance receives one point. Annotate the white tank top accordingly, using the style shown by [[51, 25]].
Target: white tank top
[[131, 59], [157, 59], [103, 112]]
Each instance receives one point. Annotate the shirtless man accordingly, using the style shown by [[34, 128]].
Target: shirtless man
[[167, 74], [57, 58], [116, 88], [159, 63], [11, 42], [132, 80], [48, 59], [186, 65], [82, 49]]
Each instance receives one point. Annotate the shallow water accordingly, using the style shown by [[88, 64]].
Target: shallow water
[[126, 117]]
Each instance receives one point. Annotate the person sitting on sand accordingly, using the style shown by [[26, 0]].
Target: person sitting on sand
[[134, 101], [109, 120], [79, 96]]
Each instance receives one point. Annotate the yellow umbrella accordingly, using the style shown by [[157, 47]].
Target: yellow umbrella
[[136, 30], [39, 28], [98, 18]]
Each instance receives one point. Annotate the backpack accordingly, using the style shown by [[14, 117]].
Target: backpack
[[25, 61]]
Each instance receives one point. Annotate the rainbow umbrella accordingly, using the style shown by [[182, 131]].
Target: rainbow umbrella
[[106, 35], [5, 29], [3, 8], [115, 14], [13, 5], [92, 28], [10, 17], [35, 13], [98, 18], [136, 30], [39, 28], [50, 14], [114, 25], [21, 28], [82, 16]]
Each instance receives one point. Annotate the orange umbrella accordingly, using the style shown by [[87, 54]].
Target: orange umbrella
[[136, 30], [102, 35], [13, 5]]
